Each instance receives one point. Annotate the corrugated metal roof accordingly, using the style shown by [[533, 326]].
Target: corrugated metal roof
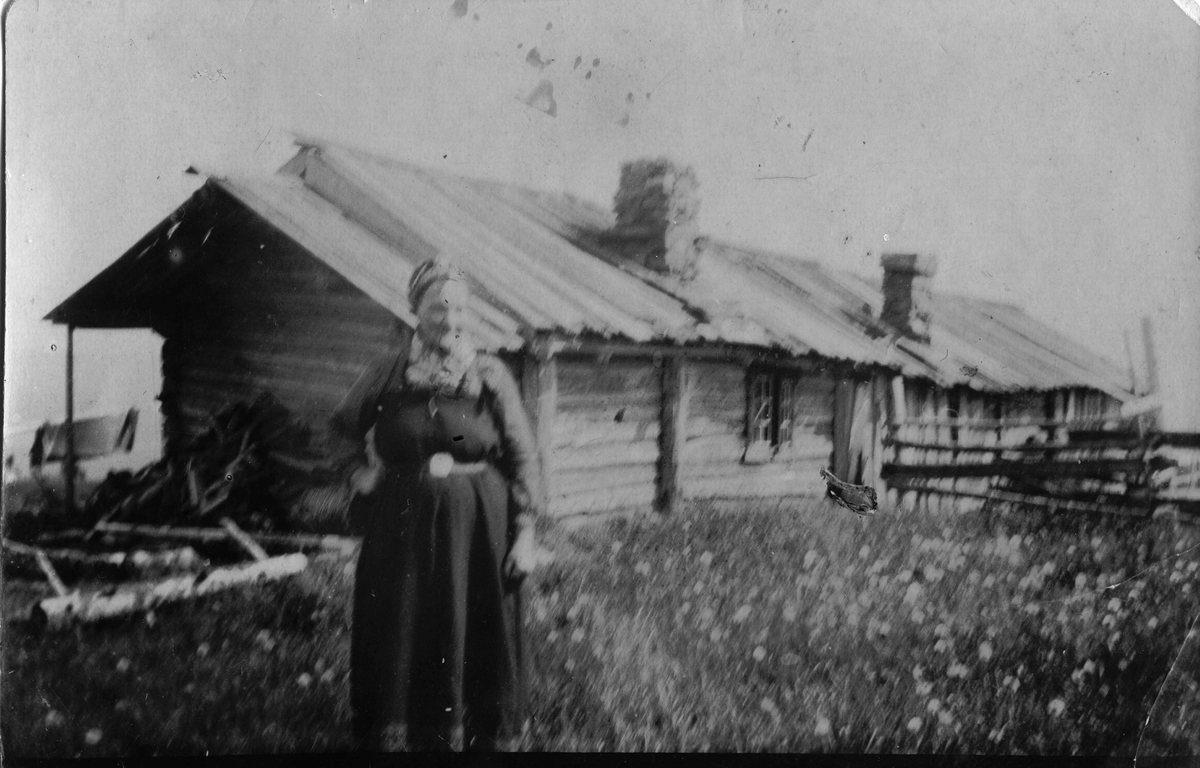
[[540, 263]]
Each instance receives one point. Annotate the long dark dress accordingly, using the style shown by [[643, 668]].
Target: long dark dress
[[436, 642]]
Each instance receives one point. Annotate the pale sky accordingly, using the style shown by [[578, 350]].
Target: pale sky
[[1049, 154]]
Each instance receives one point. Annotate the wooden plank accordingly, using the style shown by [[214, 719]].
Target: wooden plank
[[1058, 449], [1042, 501], [539, 388], [1017, 469], [183, 558], [1007, 423], [58, 612], [676, 385], [69, 461], [240, 536], [51, 575], [843, 425], [341, 544], [899, 404]]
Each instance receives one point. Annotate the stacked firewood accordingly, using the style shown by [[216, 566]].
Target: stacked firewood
[[241, 467]]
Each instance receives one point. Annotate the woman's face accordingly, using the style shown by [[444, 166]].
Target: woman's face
[[442, 311]]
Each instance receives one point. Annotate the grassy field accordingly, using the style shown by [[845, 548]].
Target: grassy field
[[791, 627]]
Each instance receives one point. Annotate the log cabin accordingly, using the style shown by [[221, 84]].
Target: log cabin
[[658, 365]]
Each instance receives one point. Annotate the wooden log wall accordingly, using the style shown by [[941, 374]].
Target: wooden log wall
[[604, 451], [270, 319], [711, 462]]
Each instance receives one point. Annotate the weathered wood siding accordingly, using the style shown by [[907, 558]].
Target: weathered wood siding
[[604, 453], [270, 319], [713, 457]]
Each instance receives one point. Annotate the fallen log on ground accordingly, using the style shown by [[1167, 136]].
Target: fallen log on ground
[[345, 545], [63, 610], [180, 559]]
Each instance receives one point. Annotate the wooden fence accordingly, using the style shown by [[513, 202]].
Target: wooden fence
[[1060, 465]]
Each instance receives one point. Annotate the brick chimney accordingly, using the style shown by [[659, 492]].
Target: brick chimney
[[908, 293], [657, 205]]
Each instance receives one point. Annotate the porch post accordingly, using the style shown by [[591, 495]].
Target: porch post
[[539, 387], [69, 459], [672, 431]]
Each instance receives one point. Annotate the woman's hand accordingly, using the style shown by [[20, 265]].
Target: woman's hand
[[365, 480], [520, 560]]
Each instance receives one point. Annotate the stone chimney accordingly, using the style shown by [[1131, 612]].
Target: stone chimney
[[657, 205], [908, 293]]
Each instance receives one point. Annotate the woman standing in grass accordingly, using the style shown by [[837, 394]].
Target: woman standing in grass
[[436, 650]]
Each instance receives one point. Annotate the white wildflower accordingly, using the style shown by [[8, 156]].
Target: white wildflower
[[913, 593], [988, 581], [1056, 707], [941, 646], [202, 650], [864, 553], [1153, 622], [958, 670], [945, 718], [1089, 667], [304, 680], [789, 612], [1114, 605], [742, 614], [54, 719], [577, 635], [706, 559], [760, 653], [918, 616], [915, 725], [616, 547], [985, 651], [768, 706], [810, 557], [824, 728], [924, 688], [123, 665], [93, 737], [934, 705]]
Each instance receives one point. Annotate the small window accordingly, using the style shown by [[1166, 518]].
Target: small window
[[761, 410], [771, 415]]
